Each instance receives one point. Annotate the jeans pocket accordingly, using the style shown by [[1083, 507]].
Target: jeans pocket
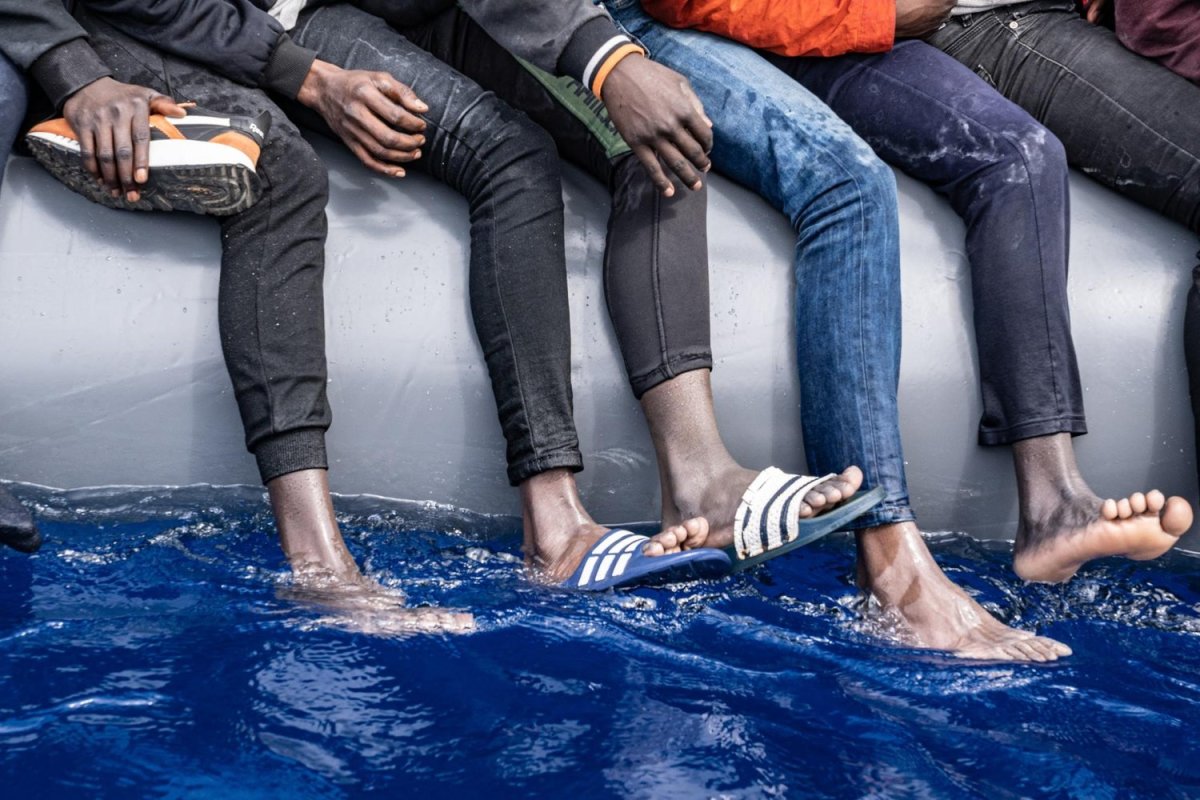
[[1023, 10], [982, 72]]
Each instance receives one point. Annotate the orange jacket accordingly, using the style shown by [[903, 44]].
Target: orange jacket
[[788, 27]]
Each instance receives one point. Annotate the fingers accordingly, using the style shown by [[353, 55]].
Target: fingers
[[397, 92], [391, 170], [649, 159], [384, 143], [87, 152], [395, 116], [106, 157], [679, 164], [141, 148], [161, 104], [123, 151]]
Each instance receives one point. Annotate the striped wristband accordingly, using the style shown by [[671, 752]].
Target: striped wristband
[[607, 57]]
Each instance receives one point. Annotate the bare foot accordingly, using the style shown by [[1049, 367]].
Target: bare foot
[[361, 605], [897, 569], [1081, 527], [559, 532], [718, 501]]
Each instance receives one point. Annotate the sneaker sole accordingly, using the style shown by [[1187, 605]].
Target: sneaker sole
[[205, 178]]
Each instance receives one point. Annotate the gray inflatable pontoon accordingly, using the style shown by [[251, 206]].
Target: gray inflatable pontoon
[[112, 373]]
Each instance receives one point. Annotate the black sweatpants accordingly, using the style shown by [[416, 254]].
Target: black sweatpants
[[271, 302]]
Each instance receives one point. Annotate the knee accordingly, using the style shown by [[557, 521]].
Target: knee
[[522, 157], [851, 181], [1032, 155], [292, 169]]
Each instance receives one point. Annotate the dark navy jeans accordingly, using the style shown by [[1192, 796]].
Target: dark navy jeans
[[1006, 176], [775, 137], [12, 108]]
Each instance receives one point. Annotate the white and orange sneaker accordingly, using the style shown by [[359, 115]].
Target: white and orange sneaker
[[202, 162]]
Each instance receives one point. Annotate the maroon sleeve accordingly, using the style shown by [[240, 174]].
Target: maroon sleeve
[[1167, 31]]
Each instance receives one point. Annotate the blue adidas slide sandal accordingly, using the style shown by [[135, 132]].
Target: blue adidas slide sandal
[[617, 560], [768, 523]]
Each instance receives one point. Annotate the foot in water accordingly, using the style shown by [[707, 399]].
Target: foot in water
[[1052, 545], [897, 569], [559, 532], [362, 605], [716, 500]]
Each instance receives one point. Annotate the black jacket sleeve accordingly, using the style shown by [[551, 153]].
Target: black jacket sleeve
[[41, 37], [562, 37], [236, 38]]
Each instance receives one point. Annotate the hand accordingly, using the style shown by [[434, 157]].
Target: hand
[[917, 18], [372, 112], [112, 121], [662, 120], [1095, 8]]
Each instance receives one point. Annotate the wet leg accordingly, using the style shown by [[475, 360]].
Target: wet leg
[[897, 569], [559, 532]]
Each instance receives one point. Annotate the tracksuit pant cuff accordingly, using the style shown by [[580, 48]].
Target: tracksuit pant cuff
[[291, 451], [672, 368]]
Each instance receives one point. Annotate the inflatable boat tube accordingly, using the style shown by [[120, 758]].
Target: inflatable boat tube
[[112, 374]]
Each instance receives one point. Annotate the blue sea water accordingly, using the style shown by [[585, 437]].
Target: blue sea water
[[151, 650]]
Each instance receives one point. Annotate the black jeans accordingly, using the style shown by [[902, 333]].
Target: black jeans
[[270, 302], [1126, 121], [656, 261]]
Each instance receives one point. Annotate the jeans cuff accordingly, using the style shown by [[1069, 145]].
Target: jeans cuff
[[291, 451], [535, 465], [886, 513], [671, 368], [1074, 424]]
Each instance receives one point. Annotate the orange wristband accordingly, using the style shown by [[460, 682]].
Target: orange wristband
[[618, 54]]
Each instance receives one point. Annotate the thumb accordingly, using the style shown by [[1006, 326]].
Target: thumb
[[161, 104]]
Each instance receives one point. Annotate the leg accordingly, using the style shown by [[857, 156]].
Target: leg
[[1128, 122], [1006, 176], [16, 525], [656, 285], [841, 201], [271, 321], [508, 170]]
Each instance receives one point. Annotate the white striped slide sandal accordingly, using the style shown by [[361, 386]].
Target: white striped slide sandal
[[768, 522]]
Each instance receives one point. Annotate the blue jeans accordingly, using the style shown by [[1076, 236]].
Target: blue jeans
[[777, 138], [12, 108]]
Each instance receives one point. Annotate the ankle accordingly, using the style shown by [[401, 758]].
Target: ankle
[[552, 512]]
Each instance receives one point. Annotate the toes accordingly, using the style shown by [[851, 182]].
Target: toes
[[1137, 502], [1155, 500], [852, 478], [1108, 509], [696, 532], [806, 510], [1124, 509], [1053, 647], [654, 547], [1176, 518]]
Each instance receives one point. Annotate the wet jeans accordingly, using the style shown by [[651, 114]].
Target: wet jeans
[[1006, 176], [1127, 122], [775, 137], [12, 108], [506, 165]]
